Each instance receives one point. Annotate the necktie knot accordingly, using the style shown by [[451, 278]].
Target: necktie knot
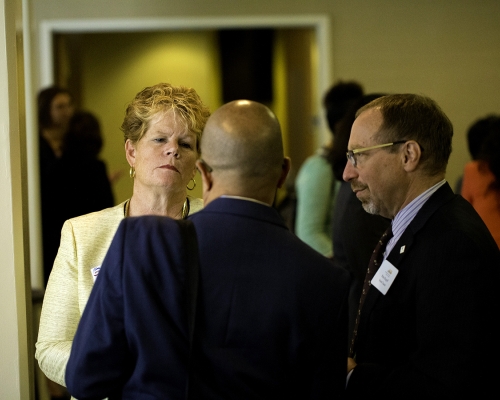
[[386, 236]]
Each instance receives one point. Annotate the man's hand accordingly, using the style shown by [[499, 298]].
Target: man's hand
[[350, 364]]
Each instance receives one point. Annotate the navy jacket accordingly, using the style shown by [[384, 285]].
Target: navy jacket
[[271, 318]]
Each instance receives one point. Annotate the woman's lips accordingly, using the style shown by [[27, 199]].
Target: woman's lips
[[171, 167]]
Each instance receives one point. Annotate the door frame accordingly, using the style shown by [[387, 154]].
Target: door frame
[[319, 23]]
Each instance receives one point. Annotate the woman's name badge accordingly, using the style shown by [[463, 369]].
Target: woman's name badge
[[384, 277], [95, 272]]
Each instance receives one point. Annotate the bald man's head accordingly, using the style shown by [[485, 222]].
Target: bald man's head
[[243, 137], [242, 144]]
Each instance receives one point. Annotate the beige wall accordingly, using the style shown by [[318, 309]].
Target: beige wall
[[116, 66], [446, 49]]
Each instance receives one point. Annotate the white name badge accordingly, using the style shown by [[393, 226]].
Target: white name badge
[[95, 272], [384, 277]]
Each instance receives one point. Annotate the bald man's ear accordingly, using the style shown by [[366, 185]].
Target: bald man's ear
[[206, 176], [412, 154], [285, 169]]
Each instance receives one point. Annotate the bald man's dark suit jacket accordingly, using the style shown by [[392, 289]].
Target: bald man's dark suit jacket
[[271, 318], [434, 334]]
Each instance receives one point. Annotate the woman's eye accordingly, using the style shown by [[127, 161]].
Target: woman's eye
[[159, 140], [186, 145]]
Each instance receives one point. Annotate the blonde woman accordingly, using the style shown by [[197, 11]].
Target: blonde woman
[[162, 130]]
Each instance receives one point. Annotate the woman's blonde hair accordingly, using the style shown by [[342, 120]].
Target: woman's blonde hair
[[161, 98]]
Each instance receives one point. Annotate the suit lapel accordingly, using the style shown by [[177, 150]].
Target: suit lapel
[[442, 196]]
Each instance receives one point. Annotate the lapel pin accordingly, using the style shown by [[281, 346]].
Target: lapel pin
[[402, 249]]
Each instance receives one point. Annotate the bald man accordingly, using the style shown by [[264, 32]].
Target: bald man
[[271, 315]]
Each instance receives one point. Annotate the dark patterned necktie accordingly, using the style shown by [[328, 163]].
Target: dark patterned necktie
[[375, 261]]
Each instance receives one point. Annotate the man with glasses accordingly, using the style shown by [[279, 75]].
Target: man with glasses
[[426, 325]]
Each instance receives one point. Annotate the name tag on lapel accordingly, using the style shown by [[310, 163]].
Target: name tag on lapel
[[384, 277], [95, 272]]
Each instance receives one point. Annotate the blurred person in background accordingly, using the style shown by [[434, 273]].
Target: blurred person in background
[[55, 109], [83, 175], [316, 185], [481, 180], [476, 134]]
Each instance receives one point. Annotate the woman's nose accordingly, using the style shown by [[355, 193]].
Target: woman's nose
[[173, 149]]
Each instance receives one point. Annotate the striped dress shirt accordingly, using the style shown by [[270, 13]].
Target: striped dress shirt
[[406, 215]]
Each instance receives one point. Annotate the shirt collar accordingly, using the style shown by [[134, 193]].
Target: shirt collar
[[244, 198], [406, 215]]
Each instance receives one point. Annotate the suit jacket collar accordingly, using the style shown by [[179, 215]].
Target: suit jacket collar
[[443, 195], [246, 208]]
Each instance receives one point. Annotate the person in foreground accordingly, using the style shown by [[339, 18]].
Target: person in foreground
[[271, 320], [431, 334], [162, 129]]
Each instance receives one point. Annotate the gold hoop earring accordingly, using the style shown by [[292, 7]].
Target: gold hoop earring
[[132, 172], [194, 185]]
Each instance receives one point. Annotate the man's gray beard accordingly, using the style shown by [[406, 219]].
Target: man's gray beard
[[370, 208]]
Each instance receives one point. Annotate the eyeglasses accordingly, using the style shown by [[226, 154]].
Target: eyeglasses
[[351, 153]]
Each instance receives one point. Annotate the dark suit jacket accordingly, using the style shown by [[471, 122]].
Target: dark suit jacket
[[434, 334], [271, 319]]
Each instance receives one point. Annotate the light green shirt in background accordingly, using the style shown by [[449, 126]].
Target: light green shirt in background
[[315, 188]]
